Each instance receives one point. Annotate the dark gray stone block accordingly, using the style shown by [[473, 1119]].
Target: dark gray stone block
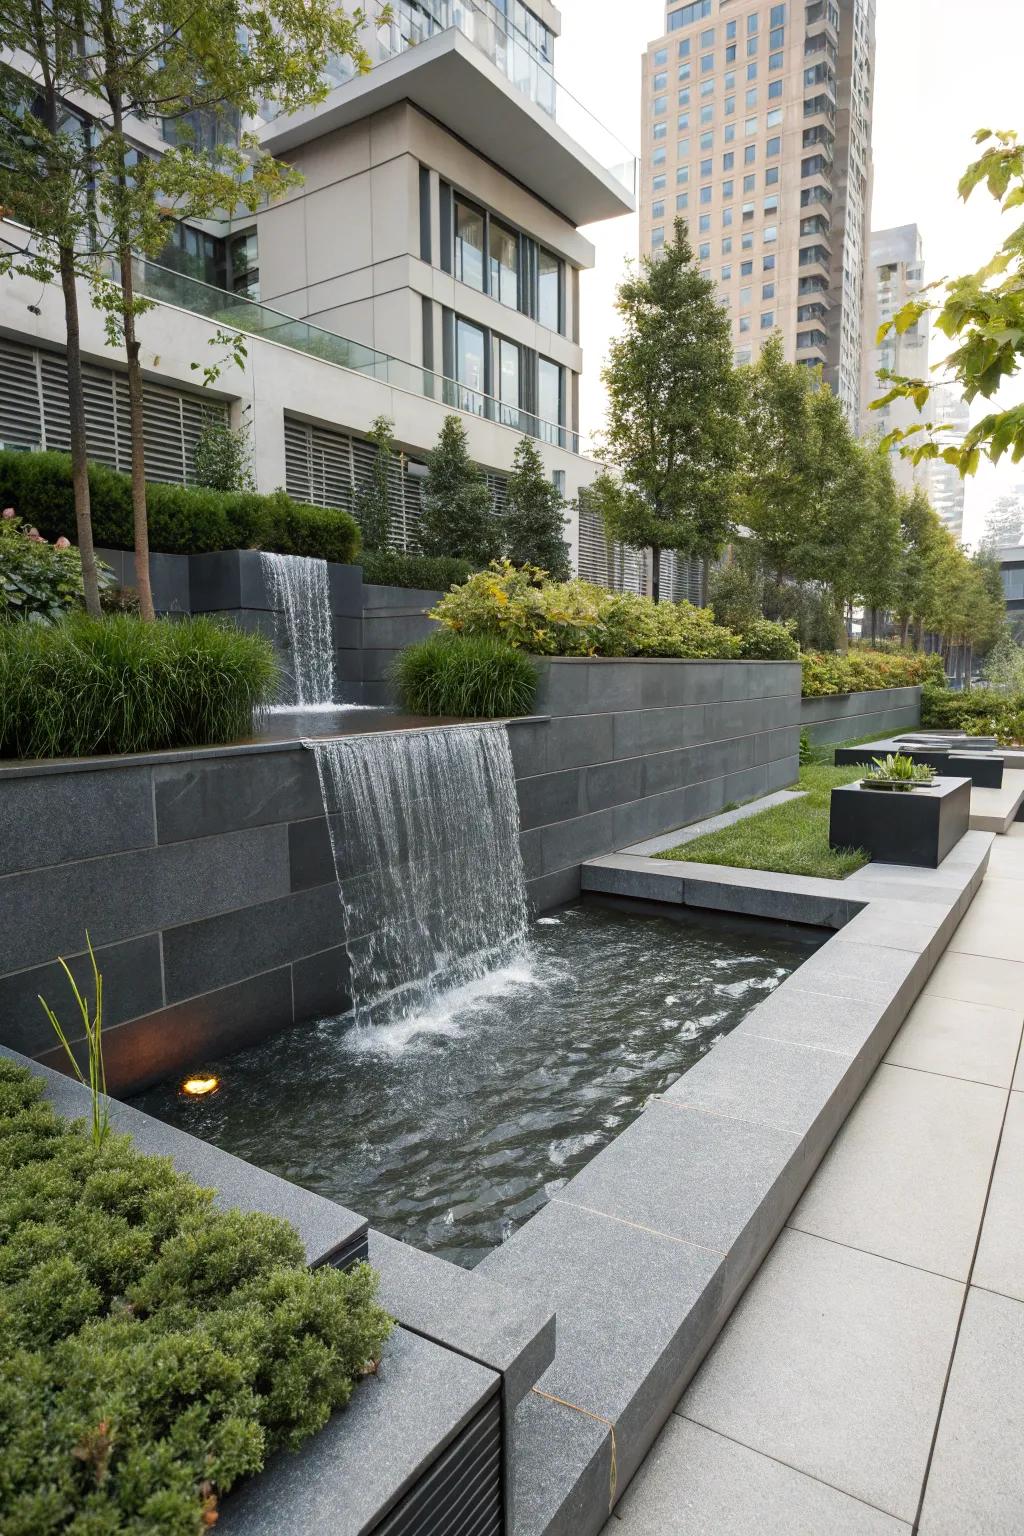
[[917, 828], [584, 837], [562, 686], [576, 741], [47, 911], [55, 818], [226, 794], [531, 848], [465, 1311], [777, 904], [767, 1082], [561, 1469], [551, 797], [200, 957], [528, 742], [168, 575], [554, 890], [624, 876], [611, 784], [347, 632], [346, 588], [357, 1468], [310, 858], [324, 1227], [179, 1038], [395, 597], [321, 985], [131, 985], [818, 1020], [639, 732], [216, 583], [394, 631]]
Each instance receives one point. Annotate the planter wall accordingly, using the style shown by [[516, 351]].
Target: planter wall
[[847, 716], [207, 882]]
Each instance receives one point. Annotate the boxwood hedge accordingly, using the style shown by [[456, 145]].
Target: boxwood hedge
[[183, 520], [153, 1349]]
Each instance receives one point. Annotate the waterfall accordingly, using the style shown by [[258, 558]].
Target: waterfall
[[300, 588], [424, 829]]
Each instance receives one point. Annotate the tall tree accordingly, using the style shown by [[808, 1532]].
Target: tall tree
[[535, 516], [1004, 522], [983, 313], [373, 504], [457, 517], [672, 433], [877, 546]]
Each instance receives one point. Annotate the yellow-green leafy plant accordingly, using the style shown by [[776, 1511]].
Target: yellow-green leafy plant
[[92, 1025], [898, 771]]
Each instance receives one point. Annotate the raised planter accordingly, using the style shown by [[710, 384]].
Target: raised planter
[[919, 826], [974, 759], [846, 716]]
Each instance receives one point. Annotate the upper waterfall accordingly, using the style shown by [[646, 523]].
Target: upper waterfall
[[301, 590]]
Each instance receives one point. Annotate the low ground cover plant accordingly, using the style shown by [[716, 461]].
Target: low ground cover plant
[[471, 677], [519, 605], [182, 519], [153, 1349], [862, 670], [981, 712], [790, 838], [429, 573], [85, 686]]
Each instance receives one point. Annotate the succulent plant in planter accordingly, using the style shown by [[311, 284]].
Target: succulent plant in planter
[[898, 772]]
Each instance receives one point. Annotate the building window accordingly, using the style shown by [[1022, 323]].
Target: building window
[[682, 175], [660, 131], [768, 263], [751, 97], [751, 47], [730, 30], [730, 133], [727, 187], [705, 168], [771, 204], [471, 365], [773, 147], [660, 81], [549, 290], [661, 57], [657, 237], [659, 105], [707, 139], [728, 161], [778, 15], [749, 154], [707, 37], [775, 62], [707, 114], [753, 22], [684, 48], [774, 90], [507, 362], [659, 156], [469, 246], [774, 117], [771, 234], [730, 54], [550, 394], [730, 106], [682, 202], [705, 195], [726, 218], [771, 176], [704, 252], [692, 12], [704, 223], [727, 246], [746, 270], [767, 320], [707, 64], [749, 127], [658, 184], [748, 212], [767, 291], [744, 323], [726, 274], [658, 211], [751, 73]]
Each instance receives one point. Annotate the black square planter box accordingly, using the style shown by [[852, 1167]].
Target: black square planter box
[[919, 826], [984, 768]]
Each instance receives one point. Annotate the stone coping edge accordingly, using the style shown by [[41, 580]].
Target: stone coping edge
[[644, 1254]]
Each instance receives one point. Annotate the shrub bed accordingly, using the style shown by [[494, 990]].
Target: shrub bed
[[153, 1349], [572, 618], [470, 677], [183, 520], [430, 573], [982, 712], [863, 670], [39, 580], [83, 685]]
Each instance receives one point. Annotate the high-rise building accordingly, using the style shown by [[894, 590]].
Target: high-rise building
[[895, 277], [429, 262], [757, 131], [950, 416]]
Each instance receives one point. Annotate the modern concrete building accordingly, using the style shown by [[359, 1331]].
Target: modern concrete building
[[896, 275], [757, 131], [429, 262], [950, 415]]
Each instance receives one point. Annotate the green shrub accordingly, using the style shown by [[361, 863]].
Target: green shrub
[[428, 573], [860, 670], [153, 1349], [572, 618], [39, 580], [982, 712], [764, 640], [115, 684], [470, 677], [183, 520]]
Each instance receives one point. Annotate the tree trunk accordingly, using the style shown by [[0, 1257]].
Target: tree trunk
[[79, 445], [656, 573], [140, 518], [842, 633], [874, 626], [904, 631]]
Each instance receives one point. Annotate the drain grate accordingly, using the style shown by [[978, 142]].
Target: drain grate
[[462, 1493]]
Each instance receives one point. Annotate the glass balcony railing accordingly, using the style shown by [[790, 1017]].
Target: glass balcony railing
[[165, 286], [518, 56]]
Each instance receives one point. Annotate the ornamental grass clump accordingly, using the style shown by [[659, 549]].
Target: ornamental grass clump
[[467, 677], [85, 686], [897, 771], [153, 1349]]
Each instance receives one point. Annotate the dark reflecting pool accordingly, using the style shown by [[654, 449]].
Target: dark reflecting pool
[[450, 1130]]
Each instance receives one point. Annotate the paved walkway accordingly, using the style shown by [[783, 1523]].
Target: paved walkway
[[871, 1381]]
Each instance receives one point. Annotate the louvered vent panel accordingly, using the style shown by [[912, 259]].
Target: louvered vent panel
[[298, 480], [603, 562], [21, 412], [461, 1494], [497, 485]]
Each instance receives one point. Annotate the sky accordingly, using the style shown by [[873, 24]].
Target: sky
[[929, 100]]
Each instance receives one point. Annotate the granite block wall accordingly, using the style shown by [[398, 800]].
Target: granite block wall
[[850, 716]]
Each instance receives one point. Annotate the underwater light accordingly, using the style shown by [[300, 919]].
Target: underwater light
[[200, 1087]]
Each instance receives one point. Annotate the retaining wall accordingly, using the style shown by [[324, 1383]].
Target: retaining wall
[[850, 716], [206, 878]]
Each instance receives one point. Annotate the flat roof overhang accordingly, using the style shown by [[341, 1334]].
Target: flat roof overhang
[[449, 78]]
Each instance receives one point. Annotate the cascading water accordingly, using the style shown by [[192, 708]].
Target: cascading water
[[425, 833], [300, 588]]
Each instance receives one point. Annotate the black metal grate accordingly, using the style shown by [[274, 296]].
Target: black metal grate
[[462, 1493]]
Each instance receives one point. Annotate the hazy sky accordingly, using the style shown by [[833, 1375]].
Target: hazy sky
[[929, 99]]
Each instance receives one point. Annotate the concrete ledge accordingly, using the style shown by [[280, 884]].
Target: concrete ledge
[[646, 1251]]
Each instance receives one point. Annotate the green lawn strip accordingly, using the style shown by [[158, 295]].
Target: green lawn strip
[[791, 839]]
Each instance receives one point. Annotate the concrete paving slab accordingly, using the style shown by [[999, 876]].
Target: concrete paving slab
[[995, 810], [698, 1483], [959, 1039], [835, 1364], [977, 979], [976, 1483], [907, 1175], [992, 927], [1000, 1262]]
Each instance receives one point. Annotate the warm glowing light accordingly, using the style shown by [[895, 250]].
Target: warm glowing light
[[200, 1087]]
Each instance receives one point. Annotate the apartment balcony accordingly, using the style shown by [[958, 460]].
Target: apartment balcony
[[233, 312], [468, 68]]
